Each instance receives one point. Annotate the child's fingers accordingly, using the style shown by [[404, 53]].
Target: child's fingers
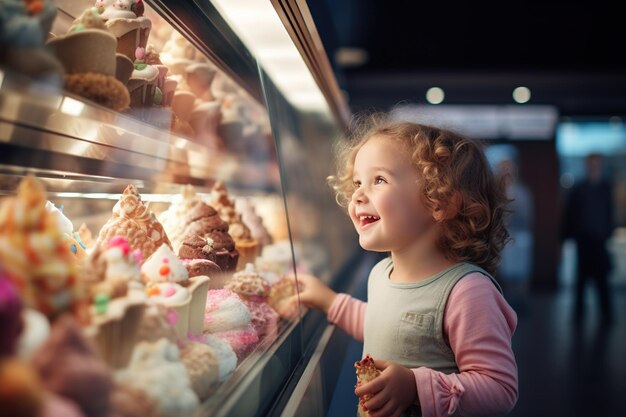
[[378, 401], [381, 364], [388, 410], [371, 387]]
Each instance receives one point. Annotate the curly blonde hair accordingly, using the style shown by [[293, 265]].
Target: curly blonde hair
[[455, 173]]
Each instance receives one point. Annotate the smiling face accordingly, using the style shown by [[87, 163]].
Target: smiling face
[[386, 207]]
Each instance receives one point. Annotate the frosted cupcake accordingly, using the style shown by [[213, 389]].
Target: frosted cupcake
[[156, 369], [142, 84], [202, 367], [168, 283], [34, 254], [248, 247], [113, 281], [126, 21], [254, 291], [253, 221], [132, 219], [174, 218]]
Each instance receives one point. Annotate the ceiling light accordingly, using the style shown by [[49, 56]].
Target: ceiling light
[[435, 95], [521, 95], [351, 57]]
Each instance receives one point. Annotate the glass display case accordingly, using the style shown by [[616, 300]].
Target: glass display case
[[161, 173]]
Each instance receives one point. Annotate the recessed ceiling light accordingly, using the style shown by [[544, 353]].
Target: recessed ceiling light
[[435, 95], [351, 56], [521, 95]]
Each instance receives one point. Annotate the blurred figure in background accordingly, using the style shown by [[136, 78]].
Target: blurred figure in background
[[517, 259], [588, 220]]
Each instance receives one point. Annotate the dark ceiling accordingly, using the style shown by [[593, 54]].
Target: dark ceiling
[[571, 55]]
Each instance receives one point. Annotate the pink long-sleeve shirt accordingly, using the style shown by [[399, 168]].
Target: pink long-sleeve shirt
[[478, 325]]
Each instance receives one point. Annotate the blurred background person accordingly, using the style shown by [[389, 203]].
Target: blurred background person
[[517, 257], [588, 220]]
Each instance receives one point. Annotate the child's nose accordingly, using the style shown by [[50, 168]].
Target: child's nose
[[359, 195]]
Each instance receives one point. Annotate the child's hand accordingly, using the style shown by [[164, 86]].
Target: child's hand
[[393, 391], [314, 293]]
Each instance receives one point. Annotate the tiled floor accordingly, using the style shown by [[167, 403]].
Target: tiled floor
[[564, 370]]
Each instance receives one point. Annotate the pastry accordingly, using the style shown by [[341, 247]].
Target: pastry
[[126, 21], [247, 247], [227, 317], [253, 221], [156, 369], [113, 283], [202, 366], [366, 371], [157, 324], [69, 367], [226, 357], [198, 255], [166, 85], [173, 219], [203, 221], [254, 291], [132, 219], [281, 295], [72, 239], [24, 26], [168, 283], [34, 255], [88, 55]]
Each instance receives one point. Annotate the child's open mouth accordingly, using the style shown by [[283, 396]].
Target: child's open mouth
[[367, 220]]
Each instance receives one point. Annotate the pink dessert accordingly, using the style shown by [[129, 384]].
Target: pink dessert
[[264, 319], [243, 341]]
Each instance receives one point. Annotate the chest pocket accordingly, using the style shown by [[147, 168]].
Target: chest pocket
[[415, 331]]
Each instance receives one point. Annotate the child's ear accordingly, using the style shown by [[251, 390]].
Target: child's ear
[[451, 208]]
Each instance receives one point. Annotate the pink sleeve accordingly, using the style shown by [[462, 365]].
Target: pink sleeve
[[349, 314], [479, 325]]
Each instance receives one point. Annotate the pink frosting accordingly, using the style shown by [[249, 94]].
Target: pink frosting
[[264, 318], [243, 341]]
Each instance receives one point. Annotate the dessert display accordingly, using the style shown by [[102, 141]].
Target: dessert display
[[132, 219], [366, 371], [254, 291], [247, 246], [126, 21]]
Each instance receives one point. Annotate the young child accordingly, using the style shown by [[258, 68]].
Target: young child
[[436, 322]]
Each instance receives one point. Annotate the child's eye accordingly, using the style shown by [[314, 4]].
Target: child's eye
[[356, 184], [379, 180]]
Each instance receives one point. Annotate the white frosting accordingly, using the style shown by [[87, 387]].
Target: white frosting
[[118, 9], [225, 311], [119, 266], [226, 357], [149, 73], [154, 268], [156, 369], [65, 225], [171, 294], [35, 333]]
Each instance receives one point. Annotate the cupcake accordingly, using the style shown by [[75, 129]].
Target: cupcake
[[202, 366], [24, 26], [226, 357], [88, 55], [166, 85], [254, 291], [253, 221], [168, 283], [34, 254], [69, 367], [126, 21], [198, 256], [113, 284], [174, 218], [142, 84], [72, 239], [132, 219], [228, 318], [281, 297], [156, 369], [202, 220], [247, 246]]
